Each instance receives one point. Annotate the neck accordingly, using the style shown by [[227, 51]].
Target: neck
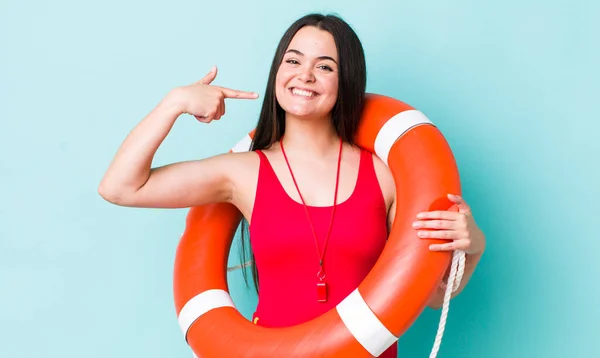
[[316, 136]]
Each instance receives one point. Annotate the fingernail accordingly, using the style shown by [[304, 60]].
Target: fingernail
[[416, 224], [420, 215]]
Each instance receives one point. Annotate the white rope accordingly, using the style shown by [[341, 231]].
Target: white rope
[[456, 274]]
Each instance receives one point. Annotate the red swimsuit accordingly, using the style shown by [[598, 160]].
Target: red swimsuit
[[286, 255]]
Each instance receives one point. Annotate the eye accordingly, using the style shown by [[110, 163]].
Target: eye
[[292, 61], [326, 68]]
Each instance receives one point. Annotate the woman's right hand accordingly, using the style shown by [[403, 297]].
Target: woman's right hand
[[206, 102]]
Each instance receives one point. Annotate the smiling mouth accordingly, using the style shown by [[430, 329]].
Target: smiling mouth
[[303, 93]]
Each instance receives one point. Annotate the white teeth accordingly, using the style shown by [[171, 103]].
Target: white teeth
[[302, 92]]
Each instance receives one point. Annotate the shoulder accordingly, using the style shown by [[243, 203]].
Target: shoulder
[[231, 166], [242, 172], [233, 161], [386, 180], [241, 162]]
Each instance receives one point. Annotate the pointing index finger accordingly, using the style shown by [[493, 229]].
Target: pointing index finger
[[231, 93]]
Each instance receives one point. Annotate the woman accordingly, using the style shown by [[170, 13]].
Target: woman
[[315, 202]]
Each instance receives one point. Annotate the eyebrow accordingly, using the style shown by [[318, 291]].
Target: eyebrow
[[320, 57]]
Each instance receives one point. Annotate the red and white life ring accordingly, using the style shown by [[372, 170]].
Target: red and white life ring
[[386, 303]]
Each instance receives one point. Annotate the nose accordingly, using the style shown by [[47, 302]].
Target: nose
[[305, 74]]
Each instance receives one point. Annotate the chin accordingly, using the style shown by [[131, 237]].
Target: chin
[[300, 112], [305, 113]]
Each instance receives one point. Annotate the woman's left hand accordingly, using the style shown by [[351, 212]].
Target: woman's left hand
[[457, 227]]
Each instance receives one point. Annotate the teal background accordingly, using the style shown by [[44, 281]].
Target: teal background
[[513, 85]]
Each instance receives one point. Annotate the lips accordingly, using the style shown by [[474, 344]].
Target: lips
[[301, 92]]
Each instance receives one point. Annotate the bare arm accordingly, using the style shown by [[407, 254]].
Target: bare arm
[[131, 181], [470, 263], [461, 227]]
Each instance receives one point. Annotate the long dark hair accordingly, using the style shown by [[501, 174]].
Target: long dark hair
[[346, 111]]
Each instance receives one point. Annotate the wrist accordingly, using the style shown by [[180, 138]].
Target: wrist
[[175, 100]]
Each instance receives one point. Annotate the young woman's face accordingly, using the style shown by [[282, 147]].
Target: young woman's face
[[307, 80]]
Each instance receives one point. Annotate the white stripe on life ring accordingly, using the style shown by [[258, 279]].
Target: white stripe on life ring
[[394, 128], [200, 304], [243, 145], [364, 325]]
